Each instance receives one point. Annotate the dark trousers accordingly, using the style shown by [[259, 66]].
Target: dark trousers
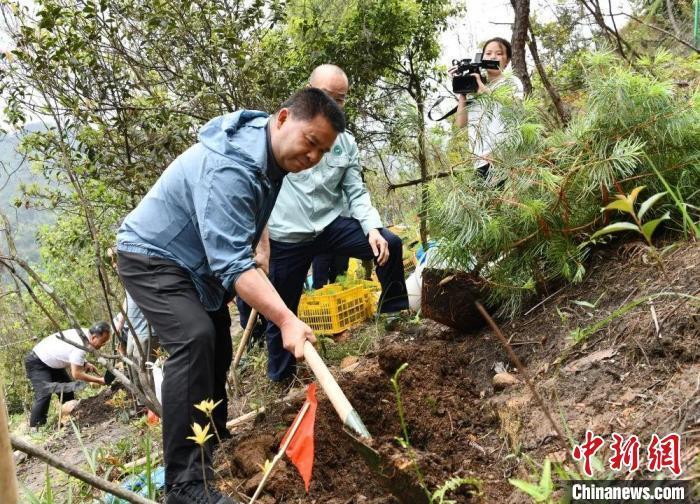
[[198, 343], [327, 267], [289, 264], [44, 380], [483, 170]]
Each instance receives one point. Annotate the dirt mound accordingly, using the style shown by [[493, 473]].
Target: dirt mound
[[635, 374], [95, 410], [441, 397]]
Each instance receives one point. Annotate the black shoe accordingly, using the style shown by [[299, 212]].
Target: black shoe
[[195, 492]]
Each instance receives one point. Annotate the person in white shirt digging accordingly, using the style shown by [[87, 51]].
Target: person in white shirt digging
[[46, 367]]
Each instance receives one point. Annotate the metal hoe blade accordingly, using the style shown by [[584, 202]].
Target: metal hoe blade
[[400, 483]]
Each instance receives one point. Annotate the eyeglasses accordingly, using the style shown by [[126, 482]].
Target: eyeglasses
[[340, 100]]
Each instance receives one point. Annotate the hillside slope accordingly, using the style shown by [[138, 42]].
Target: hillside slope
[[628, 377]]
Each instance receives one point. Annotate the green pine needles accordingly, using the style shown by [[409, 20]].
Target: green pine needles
[[527, 225]]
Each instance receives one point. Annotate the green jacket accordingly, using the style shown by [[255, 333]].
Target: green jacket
[[309, 201]]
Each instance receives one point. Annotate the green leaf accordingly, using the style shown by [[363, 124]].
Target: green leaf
[[531, 489], [648, 228], [585, 304], [649, 203], [546, 483], [615, 227], [622, 205], [633, 195]]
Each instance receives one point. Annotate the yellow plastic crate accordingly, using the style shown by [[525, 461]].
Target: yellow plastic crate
[[370, 285], [372, 290], [332, 310]]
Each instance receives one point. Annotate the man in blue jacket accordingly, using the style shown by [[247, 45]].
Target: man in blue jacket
[[327, 210], [187, 248]]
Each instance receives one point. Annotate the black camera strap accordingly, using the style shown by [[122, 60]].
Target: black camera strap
[[445, 115]]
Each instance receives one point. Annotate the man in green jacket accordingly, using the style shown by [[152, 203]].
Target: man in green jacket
[[308, 221]]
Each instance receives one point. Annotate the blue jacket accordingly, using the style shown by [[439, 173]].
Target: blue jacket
[[207, 210]]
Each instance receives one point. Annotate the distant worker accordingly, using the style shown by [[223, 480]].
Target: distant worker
[[148, 339], [47, 362]]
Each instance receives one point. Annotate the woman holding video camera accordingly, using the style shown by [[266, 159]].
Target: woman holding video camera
[[485, 127]]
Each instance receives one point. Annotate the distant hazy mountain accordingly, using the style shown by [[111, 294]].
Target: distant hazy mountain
[[13, 173]]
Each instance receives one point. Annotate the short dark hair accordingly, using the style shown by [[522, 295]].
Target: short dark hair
[[310, 102], [100, 328], [504, 43]]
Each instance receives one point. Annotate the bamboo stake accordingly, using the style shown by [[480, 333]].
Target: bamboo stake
[[8, 481], [280, 453], [246, 336], [71, 470], [244, 342], [155, 457], [292, 396], [252, 319], [526, 376]]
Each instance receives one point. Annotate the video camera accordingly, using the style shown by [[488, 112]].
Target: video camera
[[462, 82]]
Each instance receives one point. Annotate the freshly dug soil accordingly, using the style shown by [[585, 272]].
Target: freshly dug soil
[[626, 377], [94, 410]]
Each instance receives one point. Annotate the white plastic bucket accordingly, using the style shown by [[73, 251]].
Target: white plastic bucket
[[158, 381], [413, 288]]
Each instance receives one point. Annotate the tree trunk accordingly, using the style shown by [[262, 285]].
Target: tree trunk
[[521, 22], [672, 18], [423, 164], [559, 105], [8, 481]]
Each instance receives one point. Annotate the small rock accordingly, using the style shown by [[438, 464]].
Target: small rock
[[68, 407], [351, 368], [348, 361], [499, 367], [504, 380], [19, 457]]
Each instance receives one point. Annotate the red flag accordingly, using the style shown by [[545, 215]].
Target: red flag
[[301, 448]]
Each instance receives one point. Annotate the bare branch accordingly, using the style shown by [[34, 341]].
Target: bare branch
[[661, 30]]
